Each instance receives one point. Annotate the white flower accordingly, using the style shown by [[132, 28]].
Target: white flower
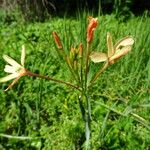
[[15, 69], [116, 51]]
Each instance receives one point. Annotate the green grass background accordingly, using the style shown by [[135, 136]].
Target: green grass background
[[49, 113]]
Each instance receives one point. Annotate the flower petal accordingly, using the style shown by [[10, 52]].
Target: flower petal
[[9, 69], [23, 54], [120, 53], [9, 77], [110, 45], [97, 57], [11, 61], [127, 41]]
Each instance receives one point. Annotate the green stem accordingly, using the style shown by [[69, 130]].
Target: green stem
[[80, 98], [76, 70], [99, 73], [88, 120], [88, 107], [86, 115], [52, 79], [87, 134], [81, 71], [87, 64], [18, 137]]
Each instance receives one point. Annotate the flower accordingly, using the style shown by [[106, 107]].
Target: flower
[[15, 69], [115, 52], [90, 29]]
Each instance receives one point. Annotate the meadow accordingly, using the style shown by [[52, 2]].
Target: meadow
[[40, 114]]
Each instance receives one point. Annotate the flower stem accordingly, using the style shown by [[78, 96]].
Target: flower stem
[[85, 107], [87, 64], [52, 79], [99, 73], [81, 71], [88, 121]]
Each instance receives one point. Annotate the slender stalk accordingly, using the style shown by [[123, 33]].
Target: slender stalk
[[81, 70], [87, 132], [88, 120], [88, 106], [18, 137], [87, 64], [52, 79], [12, 84], [80, 98], [99, 73], [86, 115], [76, 70]]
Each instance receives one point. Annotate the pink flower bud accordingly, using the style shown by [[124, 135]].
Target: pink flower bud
[[57, 40], [90, 29]]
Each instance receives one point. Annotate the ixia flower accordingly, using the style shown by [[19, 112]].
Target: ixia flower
[[15, 69], [91, 27], [114, 52]]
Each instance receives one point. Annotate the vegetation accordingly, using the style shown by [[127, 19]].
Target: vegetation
[[38, 114], [40, 10]]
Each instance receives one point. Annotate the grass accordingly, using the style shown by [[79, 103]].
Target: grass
[[48, 114]]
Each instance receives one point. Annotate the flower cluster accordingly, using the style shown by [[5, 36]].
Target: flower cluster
[[78, 60]]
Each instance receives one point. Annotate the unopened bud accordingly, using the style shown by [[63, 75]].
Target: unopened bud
[[57, 40], [90, 29], [80, 50]]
